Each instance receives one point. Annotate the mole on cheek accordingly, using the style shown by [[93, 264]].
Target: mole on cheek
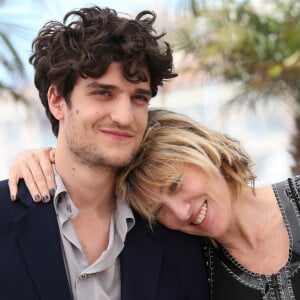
[[77, 111]]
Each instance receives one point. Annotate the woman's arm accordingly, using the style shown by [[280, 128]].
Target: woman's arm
[[36, 169]]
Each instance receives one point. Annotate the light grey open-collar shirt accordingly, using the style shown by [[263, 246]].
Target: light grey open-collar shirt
[[100, 280]]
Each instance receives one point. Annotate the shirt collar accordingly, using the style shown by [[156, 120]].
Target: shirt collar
[[124, 218], [65, 208]]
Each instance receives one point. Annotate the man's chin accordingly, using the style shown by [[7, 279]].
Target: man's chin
[[113, 163], [123, 163]]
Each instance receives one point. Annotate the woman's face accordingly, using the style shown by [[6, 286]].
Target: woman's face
[[195, 203]]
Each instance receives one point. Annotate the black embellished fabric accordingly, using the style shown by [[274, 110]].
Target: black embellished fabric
[[229, 280]]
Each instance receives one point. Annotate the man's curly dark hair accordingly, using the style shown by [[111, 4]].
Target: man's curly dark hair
[[88, 41]]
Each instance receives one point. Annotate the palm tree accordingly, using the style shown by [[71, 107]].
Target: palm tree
[[11, 64], [258, 47]]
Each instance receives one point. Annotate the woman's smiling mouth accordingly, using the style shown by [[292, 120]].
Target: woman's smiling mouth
[[200, 217]]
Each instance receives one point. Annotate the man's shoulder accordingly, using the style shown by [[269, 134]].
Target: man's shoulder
[[162, 234], [4, 193], [23, 201], [22, 189], [4, 190], [173, 258]]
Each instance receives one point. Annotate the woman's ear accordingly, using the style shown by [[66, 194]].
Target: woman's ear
[[56, 103]]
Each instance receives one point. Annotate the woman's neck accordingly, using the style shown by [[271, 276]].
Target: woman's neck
[[251, 239]]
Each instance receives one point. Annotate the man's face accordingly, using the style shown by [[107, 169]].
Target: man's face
[[105, 123]]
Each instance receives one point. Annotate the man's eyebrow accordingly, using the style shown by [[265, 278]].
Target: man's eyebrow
[[97, 85]]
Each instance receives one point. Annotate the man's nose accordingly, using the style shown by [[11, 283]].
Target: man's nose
[[123, 112]]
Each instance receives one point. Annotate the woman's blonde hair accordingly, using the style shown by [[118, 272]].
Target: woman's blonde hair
[[173, 139]]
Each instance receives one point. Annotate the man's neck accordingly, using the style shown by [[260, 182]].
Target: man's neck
[[92, 191], [89, 188]]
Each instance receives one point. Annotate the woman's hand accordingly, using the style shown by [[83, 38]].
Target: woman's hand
[[35, 166]]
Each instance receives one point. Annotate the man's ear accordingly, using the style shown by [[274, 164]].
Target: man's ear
[[56, 103]]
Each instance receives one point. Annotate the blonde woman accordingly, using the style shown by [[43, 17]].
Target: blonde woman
[[199, 181]]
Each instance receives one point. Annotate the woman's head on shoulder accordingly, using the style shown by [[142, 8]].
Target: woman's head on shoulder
[[172, 140]]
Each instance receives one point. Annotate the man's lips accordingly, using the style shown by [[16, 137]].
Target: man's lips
[[118, 134]]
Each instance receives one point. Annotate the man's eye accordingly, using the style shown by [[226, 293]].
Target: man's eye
[[142, 98], [102, 92], [174, 185]]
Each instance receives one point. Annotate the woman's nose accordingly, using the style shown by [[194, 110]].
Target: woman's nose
[[181, 209]]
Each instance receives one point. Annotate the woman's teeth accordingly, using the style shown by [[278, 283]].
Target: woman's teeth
[[202, 214]]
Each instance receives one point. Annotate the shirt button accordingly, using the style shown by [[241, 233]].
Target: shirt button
[[83, 276], [69, 208]]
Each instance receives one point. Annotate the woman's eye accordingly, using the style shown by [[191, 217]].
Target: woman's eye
[[157, 212], [174, 185]]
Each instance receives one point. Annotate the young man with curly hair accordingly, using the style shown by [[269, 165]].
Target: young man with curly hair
[[96, 73]]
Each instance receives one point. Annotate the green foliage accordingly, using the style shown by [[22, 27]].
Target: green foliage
[[11, 64], [256, 46], [236, 41]]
